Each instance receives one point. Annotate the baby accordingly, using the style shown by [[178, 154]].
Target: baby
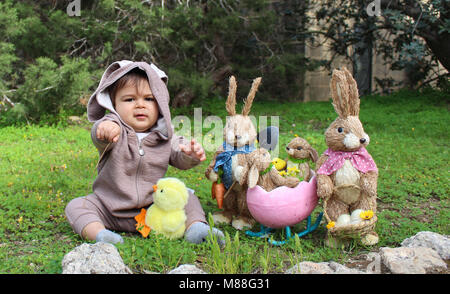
[[136, 144]]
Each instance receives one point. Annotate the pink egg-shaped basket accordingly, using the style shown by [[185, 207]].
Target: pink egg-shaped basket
[[282, 206]]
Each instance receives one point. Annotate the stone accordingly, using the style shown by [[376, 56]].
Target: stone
[[342, 269], [150, 272], [308, 267], [412, 260], [440, 243], [98, 258], [188, 269]]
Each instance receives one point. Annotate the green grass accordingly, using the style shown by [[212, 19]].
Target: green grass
[[43, 168]]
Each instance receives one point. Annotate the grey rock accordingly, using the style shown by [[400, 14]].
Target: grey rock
[[187, 269], [98, 258], [438, 242], [308, 267], [150, 272], [341, 269], [414, 260]]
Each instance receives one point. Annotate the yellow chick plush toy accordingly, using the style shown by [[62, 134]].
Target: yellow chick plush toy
[[279, 164], [166, 215]]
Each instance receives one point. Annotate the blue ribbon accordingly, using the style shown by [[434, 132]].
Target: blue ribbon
[[224, 160]]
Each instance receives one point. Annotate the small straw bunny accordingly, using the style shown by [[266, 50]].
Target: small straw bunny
[[300, 152], [259, 170]]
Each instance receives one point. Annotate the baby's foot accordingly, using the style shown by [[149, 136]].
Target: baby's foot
[[198, 232], [107, 236]]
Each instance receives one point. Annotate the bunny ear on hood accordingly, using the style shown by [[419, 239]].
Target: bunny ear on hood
[[100, 101]]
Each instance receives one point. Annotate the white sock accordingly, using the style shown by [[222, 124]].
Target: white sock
[[198, 232], [108, 236]]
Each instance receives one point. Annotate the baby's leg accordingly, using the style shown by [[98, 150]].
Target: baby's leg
[[97, 231], [81, 212], [88, 219], [194, 211], [91, 230], [197, 228]]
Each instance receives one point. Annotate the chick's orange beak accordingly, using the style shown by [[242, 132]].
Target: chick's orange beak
[[155, 188]]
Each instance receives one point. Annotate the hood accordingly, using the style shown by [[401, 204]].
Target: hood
[[100, 101]]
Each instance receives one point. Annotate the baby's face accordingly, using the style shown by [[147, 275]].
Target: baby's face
[[137, 106]]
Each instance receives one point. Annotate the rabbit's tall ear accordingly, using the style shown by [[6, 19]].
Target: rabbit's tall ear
[[313, 153], [253, 176], [353, 99], [244, 174], [251, 96], [339, 93], [230, 105]]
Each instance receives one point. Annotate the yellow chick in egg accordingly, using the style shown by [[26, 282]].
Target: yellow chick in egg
[[279, 164]]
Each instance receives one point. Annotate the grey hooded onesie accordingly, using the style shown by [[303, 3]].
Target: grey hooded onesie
[[129, 168]]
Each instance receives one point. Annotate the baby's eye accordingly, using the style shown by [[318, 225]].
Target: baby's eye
[[150, 99], [340, 129], [128, 100]]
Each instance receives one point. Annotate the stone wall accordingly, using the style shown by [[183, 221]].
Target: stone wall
[[316, 83]]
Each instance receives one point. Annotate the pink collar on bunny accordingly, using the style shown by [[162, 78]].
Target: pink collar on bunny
[[360, 159]]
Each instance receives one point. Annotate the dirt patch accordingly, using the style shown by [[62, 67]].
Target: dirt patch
[[366, 263], [429, 208]]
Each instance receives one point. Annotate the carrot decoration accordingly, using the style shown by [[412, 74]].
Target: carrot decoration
[[218, 191], [141, 227], [213, 190]]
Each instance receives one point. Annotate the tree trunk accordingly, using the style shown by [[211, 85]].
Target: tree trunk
[[362, 64], [440, 46]]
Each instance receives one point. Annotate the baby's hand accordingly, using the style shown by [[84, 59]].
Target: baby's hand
[[108, 131], [194, 150]]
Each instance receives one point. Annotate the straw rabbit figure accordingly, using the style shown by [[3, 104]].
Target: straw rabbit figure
[[239, 138], [258, 170], [346, 173], [299, 153]]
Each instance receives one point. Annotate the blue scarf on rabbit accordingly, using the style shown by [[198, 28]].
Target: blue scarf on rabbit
[[224, 160]]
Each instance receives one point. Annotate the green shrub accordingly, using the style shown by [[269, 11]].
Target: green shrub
[[50, 89], [7, 58]]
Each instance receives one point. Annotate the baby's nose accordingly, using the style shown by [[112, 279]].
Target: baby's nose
[[139, 103]]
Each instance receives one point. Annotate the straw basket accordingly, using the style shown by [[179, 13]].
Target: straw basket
[[350, 230]]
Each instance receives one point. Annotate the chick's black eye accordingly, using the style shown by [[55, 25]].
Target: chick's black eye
[[162, 190], [340, 130], [299, 148]]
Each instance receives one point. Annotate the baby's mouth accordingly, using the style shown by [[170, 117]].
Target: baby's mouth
[[140, 116]]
